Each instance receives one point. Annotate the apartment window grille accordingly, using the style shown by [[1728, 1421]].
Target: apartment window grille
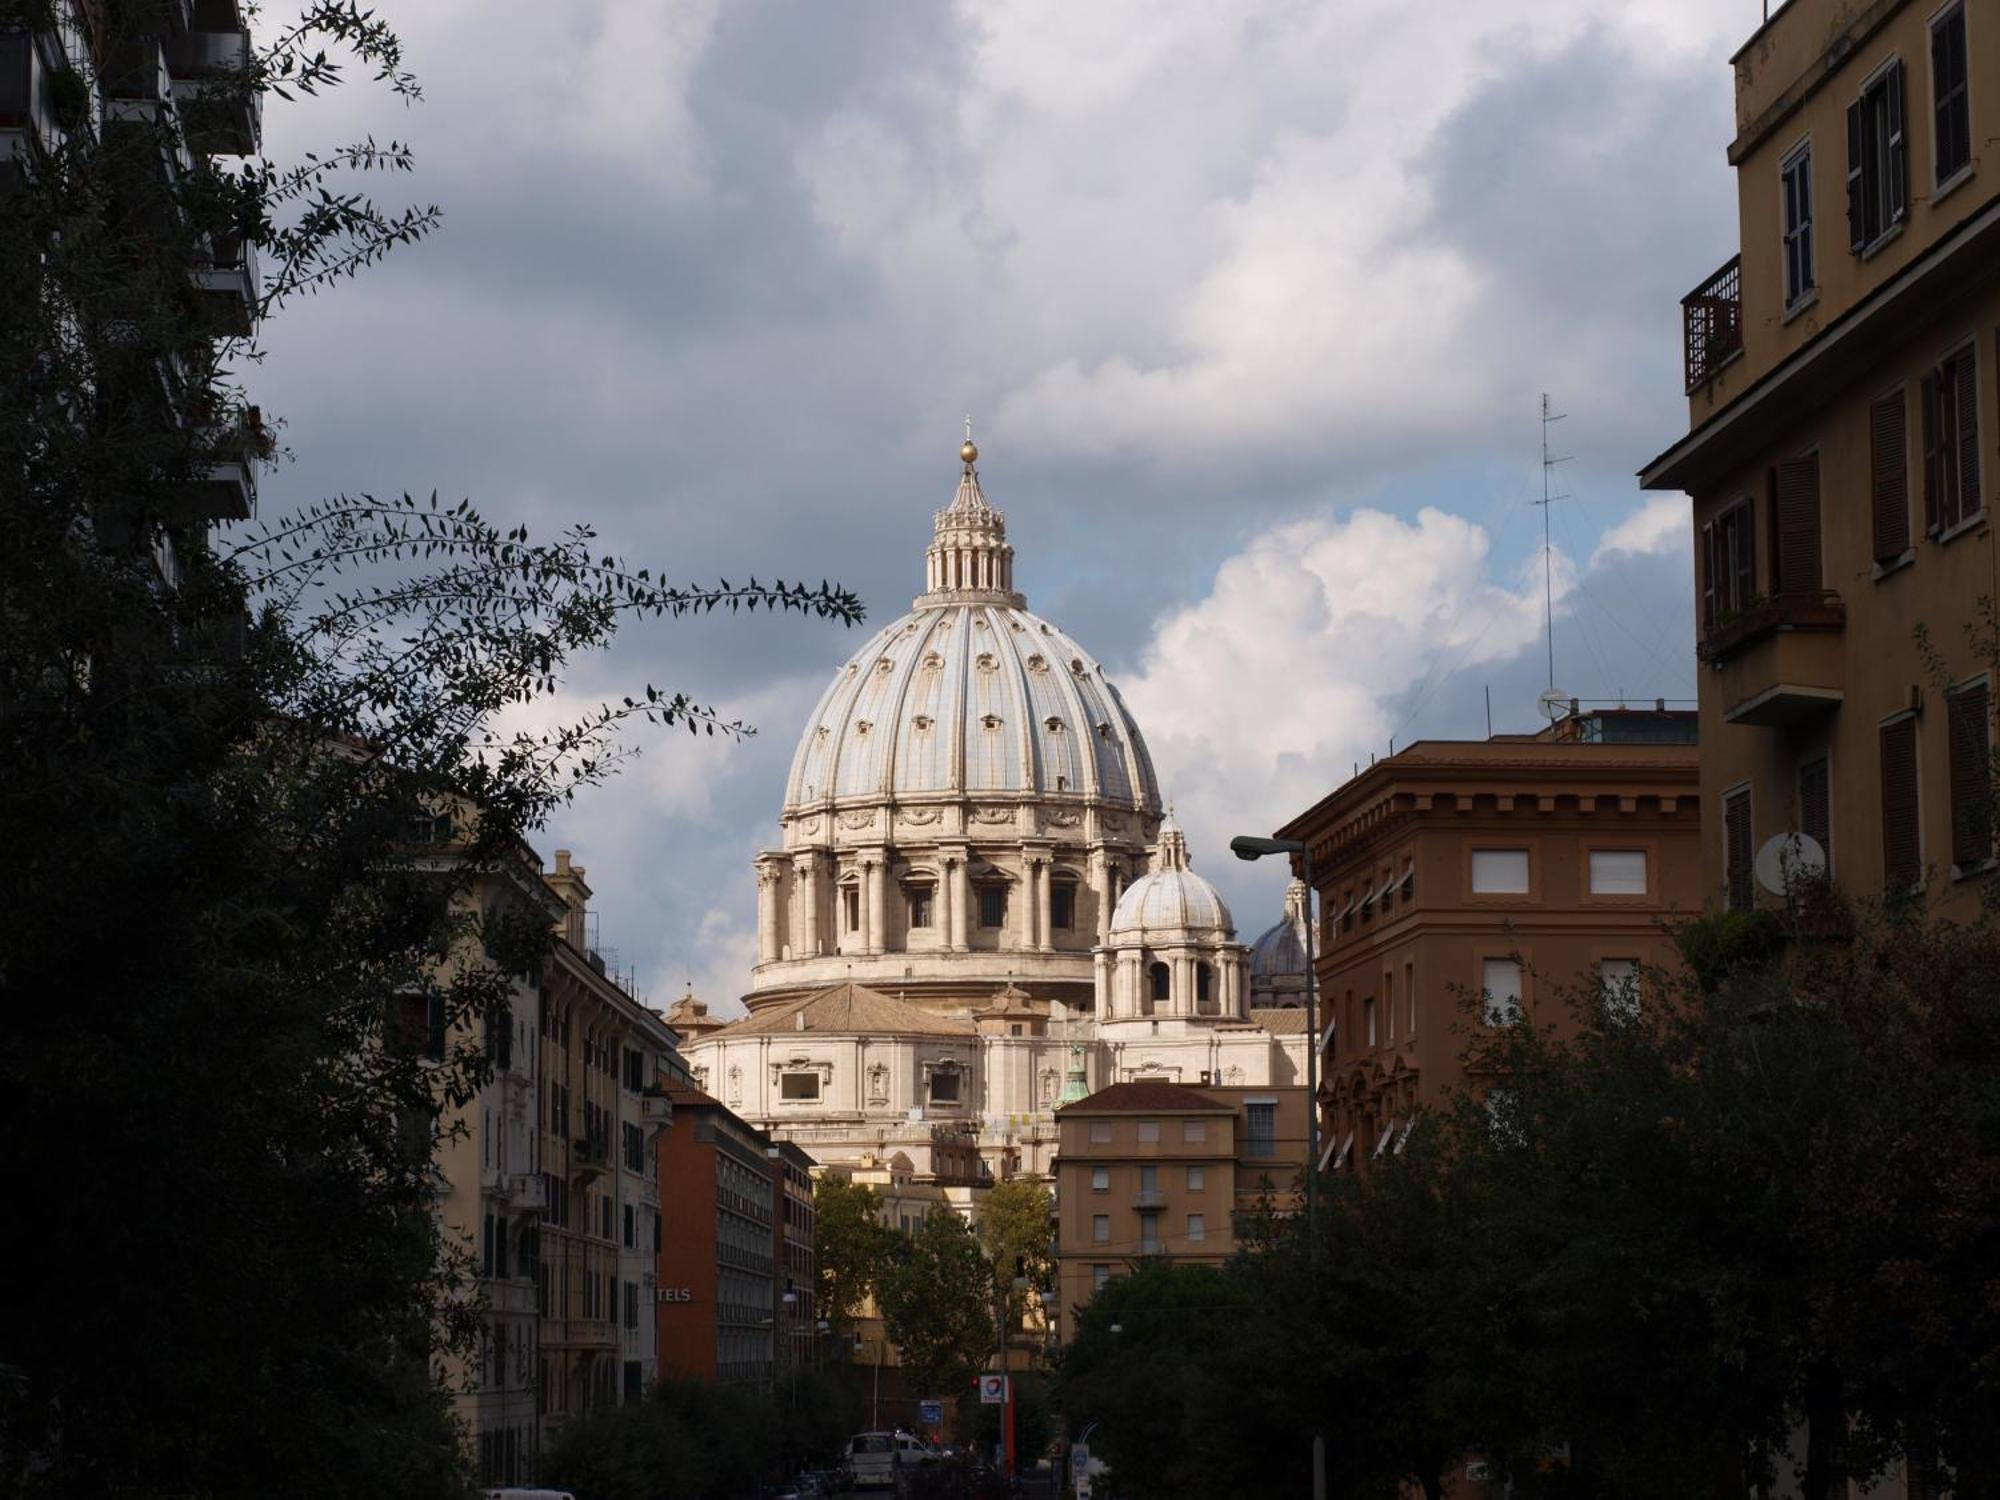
[[1261, 1133], [1737, 851], [1795, 533], [1197, 1179], [1971, 776], [1500, 872], [920, 906], [1952, 101], [1888, 475], [992, 906], [1729, 565], [1902, 840], [1500, 982], [1877, 196], [1816, 804], [1618, 872], [1951, 442], [1795, 186]]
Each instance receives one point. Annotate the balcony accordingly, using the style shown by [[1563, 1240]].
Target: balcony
[[528, 1192], [1779, 662], [590, 1155], [225, 486], [220, 114], [230, 289], [1712, 323], [1152, 1247], [1149, 1198]]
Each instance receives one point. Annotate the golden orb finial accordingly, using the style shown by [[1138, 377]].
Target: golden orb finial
[[968, 454]]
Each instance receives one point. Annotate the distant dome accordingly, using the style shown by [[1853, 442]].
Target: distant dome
[[1281, 950], [1170, 896]]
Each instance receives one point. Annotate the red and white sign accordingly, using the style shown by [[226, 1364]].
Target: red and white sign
[[993, 1390]]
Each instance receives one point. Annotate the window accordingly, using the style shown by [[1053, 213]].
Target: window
[[1100, 1229], [1062, 905], [993, 906], [631, 1304], [1100, 1179], [1162, 980], [1261, 1136], [1149, 1130], [1951, 442], [1149, 1180], [1816, 805], [1100, 1132], [1197, 1179], [1197, 1227], [1876, 200], [1952, 149], [920, 905], [799, 1087], [1194, 1131], [1500, 978], [1795, 525], [1618, 872], [1889, 478], [1149, 1234], [1204, 989], [1728, 565], [1795, 187], [631, 1228], [1098, 1276], [1738, 893], [944, 1087], [1368, 1020], [1410, 995], [1500, 872], [1618, 983], [1971, 776], [1902, 844], [850, 906]]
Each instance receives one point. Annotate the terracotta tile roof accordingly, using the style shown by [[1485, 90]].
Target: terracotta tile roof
[[1145, 1096], [686, 1093], [1281, 1021], [848, 1009]]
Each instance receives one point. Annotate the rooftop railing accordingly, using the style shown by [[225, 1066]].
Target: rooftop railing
[[1712, 322]]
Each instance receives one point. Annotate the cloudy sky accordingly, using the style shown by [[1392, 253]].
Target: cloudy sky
[[1252, 304]]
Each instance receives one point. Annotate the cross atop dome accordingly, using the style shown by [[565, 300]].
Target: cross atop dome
[[969, 560]]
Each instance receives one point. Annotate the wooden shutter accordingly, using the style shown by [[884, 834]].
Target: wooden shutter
[[1816, 806], [1966, 421], [1709, 575], [1736, 851], [1894, 156], [1971, 776], [1795, 512], [1857, 216], [1902, 847], [1933, 456], [1745, 533], [1889, 465]]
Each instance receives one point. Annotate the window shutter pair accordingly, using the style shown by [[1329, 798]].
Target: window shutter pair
[[1940, 454], [1795, 526], [1902, 848], [1816, 806], [1965, 372], [1709, 574], [1971, 776], [1736, 851], [1951, 442], [1876, 152], [1857, 205], [1889, 481]]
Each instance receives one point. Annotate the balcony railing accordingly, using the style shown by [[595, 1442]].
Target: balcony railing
[[1712, 321], [1149, 1198], [1819, 609]]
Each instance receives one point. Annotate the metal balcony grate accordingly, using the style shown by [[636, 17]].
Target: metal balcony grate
[[1712, 320]]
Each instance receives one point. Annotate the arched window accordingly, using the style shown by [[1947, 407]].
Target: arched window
[[1204, 989], [1162, 979]]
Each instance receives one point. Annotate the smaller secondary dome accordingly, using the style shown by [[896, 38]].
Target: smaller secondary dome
[[1281, 951], [1170, 895]]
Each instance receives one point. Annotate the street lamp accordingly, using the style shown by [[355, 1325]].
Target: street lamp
[[1246, 846]]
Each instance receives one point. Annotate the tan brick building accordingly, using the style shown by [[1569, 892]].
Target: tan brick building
[[1522, 866], [1843, 420], [1153, 1169]]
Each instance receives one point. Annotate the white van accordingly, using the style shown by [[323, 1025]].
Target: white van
[[871, 1460]]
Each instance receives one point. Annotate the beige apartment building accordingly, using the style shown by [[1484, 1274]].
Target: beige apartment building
[[1154, 1169], [1514, 873], [1844, 410]]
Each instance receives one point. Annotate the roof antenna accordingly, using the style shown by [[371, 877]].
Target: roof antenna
[[1548, 554]]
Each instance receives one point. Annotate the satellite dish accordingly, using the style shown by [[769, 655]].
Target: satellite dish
[[1554, 704], [1786, 859]]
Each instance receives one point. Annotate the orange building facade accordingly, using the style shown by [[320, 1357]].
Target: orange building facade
[[1464, 881]]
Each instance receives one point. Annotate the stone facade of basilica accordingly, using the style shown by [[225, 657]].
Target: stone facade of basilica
[[977, 909]]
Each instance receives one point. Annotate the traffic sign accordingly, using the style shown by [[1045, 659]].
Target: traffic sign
[[993, 1390], [930, 1413], [1079, 1459]]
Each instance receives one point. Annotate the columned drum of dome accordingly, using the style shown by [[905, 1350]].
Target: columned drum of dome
[[967, 802], [1171, 952]]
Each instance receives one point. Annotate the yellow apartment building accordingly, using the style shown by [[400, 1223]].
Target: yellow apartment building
[[1151, 1169], [1844, 410]]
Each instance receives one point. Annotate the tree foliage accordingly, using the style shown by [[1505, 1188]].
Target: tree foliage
[[932, 1289], [255, 794], [849, 1245], [1016, 1228]]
